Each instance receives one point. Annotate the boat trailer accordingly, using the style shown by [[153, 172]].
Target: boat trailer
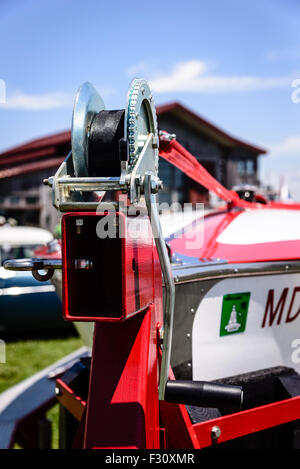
[[117, 274]]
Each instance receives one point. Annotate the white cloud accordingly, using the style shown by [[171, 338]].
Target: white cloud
[[193, 76], [276, 55], [141, 67], [2, 92], [45, 101], [20, 100], [289, 147]]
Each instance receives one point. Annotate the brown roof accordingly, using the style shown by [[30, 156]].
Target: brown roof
[[49, 148], [41, 153], [204, 126], [31, 167]]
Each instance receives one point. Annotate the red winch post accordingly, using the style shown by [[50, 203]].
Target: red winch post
[[123, 405]]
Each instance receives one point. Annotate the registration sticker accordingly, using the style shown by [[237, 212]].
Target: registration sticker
[[234, 313]]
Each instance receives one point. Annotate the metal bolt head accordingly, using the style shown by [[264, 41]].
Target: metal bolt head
[[155, 142], [161, 337], [48, 181], [156, 185], [215, 432]]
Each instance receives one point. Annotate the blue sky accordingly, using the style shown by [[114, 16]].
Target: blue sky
[[231, 61]]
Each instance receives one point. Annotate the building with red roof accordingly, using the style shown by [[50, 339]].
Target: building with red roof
[[23, 168]]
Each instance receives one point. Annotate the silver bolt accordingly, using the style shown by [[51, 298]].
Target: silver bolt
[[161, 337], [188, 335], [155, 142], [192, 310], [79, 224], [83, 264], [48, 181], [215, 432], [154, 186], [57, 391]]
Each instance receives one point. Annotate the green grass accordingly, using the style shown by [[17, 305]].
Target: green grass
[[28, 356]]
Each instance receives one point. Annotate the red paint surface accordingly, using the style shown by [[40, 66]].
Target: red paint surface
[[134, 249], [249, 421], [213, 227], [177, 155], [123, 401]]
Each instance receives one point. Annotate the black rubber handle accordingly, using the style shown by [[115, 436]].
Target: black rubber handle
[[204, 394]]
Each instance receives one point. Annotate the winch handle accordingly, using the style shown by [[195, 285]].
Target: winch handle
[[225, 397]]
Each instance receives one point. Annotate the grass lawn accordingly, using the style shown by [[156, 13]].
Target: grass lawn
[[29, 355]]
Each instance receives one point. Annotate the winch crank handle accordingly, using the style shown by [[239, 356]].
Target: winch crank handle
[[168, 279], [35, 265]]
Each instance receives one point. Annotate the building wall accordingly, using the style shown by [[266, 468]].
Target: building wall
[[25, 198], [230, 166], [205, 150], [242, 167]]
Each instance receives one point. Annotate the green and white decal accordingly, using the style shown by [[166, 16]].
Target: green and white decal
[[245, 324], [234, 313]]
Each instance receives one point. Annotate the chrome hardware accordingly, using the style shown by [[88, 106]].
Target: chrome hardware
[[72, 187], [35, 266]]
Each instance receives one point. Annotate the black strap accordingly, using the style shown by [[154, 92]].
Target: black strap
[[106, 130]]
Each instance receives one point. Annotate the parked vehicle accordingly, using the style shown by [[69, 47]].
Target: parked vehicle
[[26, 305]]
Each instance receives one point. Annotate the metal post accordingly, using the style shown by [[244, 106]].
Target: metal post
[[168, 279]]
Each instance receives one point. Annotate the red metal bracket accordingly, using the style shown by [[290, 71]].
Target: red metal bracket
[[248, 421], [115, 272]]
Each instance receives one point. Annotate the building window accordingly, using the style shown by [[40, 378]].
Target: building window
[[173, 183], [241, 167], [245, 167], [250, 167], [32, 200], [14, 199]]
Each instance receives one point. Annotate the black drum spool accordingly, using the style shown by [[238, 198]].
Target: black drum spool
[[106, 144]]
